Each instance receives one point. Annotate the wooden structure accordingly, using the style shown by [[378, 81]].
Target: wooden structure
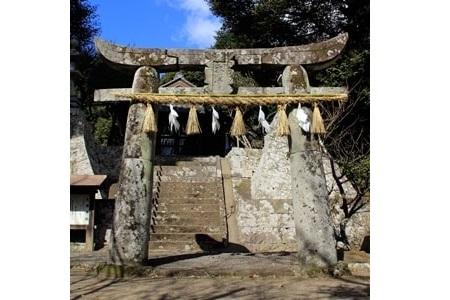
[[82, 205]]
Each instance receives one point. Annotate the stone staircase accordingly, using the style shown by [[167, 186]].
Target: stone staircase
[[188, 213]]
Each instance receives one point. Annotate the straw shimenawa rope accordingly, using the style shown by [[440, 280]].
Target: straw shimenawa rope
[[193, 126], [283, 124], [149, 125], [317, 125], [238, 126], [231, 99]]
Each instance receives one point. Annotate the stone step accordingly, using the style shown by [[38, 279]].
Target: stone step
[[178, 190], [174, 246], [193, 207], [205, 215], [178, 237], [186, 161], [181, 171], [208, 229], [188, 200], [191, 186], [203, 220], [191, 179], [188, 195]]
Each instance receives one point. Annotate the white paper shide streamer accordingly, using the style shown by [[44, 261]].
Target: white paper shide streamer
[[303, 120], [262, 120], [173, 120], [215, 120]]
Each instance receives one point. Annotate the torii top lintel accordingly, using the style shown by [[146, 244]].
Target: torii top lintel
[[311, 55]]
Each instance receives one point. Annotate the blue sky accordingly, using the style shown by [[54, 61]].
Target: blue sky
[[157, 23]]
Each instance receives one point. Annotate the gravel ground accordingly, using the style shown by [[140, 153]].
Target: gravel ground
[[87, 286]]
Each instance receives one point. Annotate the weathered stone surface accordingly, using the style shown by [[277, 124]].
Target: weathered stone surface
[[188, 214], [262, 224], [332, 187], [295, 78], [108, 95], [358, 227], [131, 225], [243, 162], [269, 179], [262, 192], [130, 232], [146, 80], [219, 77], [182, 90], [311, 212], [359, 269], [80, 163], [252, 90], [136, 144], [171, 59]]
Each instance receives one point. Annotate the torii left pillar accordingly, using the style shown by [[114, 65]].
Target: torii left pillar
[[131, 225]]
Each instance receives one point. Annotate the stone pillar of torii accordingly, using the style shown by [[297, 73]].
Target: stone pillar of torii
[[314, 232]]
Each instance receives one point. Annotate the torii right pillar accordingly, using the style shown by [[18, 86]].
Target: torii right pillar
[[313, 227]]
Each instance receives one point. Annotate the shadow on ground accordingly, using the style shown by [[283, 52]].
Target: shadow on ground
[[207, 244], [207, 288]]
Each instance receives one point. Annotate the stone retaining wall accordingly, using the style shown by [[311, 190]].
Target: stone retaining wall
[[263, 197]]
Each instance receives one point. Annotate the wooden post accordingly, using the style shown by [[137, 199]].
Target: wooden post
[[89, 242], [131, 226]]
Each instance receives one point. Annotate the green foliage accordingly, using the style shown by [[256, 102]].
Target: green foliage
[[167, 77], [195, 77], [95, 74], [359, 173], [243, 79], [83, 24], [102, 130], [272, 23], [109, 123]]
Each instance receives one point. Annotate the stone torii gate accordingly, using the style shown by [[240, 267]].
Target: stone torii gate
[[130, 236]]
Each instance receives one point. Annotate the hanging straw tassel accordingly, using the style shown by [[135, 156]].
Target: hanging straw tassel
[[193, 127], [238, 126], [317, 125], [149, 125], [283, 124]]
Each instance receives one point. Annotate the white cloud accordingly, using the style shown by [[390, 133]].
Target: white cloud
[[196, 6], [201, 31], [200, 25]]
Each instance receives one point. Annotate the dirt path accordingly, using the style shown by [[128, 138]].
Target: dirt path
[[85, 286]]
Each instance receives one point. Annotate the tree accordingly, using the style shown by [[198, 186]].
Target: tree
[[106, 121], [83, 25]]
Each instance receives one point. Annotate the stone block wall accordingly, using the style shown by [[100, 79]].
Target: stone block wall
[[262, 194]]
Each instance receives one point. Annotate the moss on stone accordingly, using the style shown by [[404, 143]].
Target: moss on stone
[[117, 271]]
